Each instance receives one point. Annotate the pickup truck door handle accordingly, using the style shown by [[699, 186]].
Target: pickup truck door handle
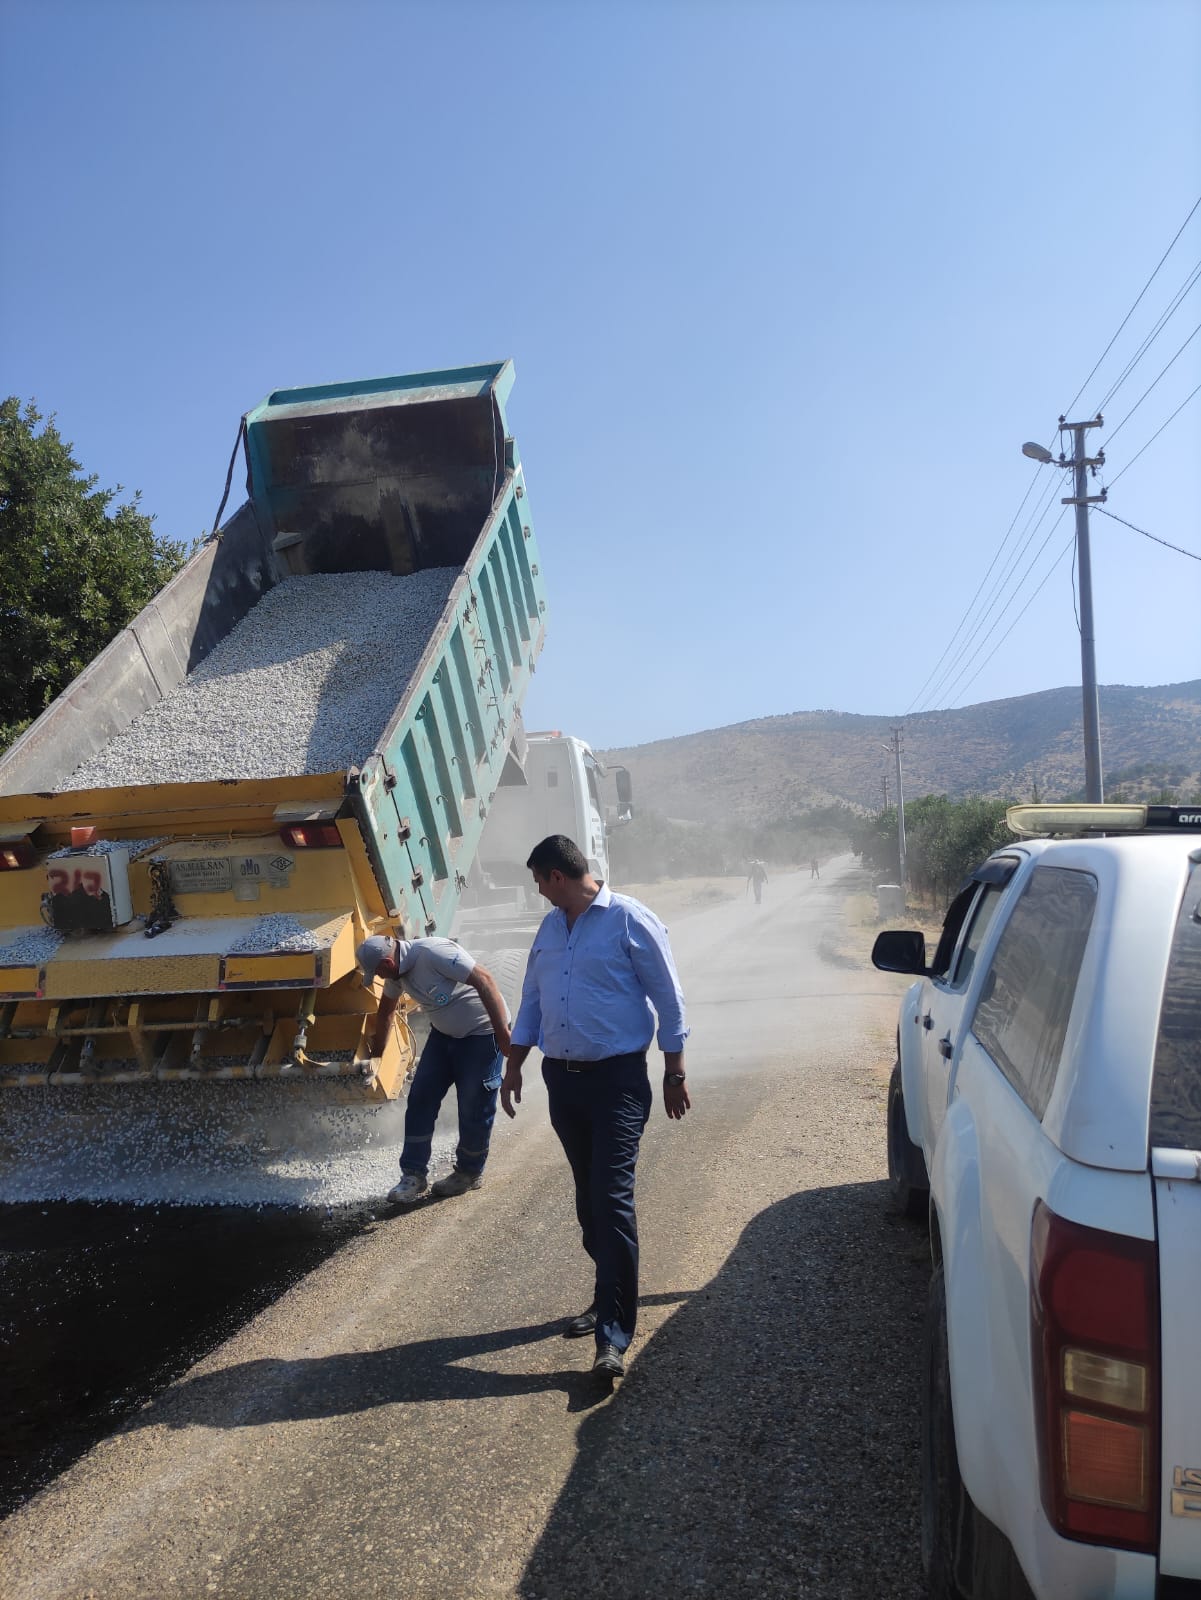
[[927, 1021], [945, 1048]]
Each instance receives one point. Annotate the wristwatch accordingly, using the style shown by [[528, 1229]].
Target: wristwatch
[[674, 1078]]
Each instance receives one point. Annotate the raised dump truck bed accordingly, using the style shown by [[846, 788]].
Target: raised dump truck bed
[[206, 926]]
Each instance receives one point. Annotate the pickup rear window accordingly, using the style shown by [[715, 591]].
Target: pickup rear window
[[1176, 1084], [1022, 1015]]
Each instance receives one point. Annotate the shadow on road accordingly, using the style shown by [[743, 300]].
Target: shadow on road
[[766, 1440], [428, 1370]]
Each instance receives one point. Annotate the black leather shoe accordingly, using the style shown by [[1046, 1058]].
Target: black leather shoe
[[583, 1324], [609, 1363]]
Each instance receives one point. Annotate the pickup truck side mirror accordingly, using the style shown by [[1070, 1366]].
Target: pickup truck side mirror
[[902, 950]]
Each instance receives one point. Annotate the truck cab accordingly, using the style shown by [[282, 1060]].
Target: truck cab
[[560, 787]]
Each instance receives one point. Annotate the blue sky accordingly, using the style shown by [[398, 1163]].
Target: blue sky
[[786, 285]]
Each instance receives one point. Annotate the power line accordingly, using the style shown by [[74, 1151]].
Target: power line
[[1067, 409], [1114, 517], [1034, 522], [975, 597], [976, 612], [958, 686], [1165, 317], [1147, 391], [1156, 435], [965, 687]]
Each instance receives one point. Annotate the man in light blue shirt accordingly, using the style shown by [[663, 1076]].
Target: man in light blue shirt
[[599, 972]]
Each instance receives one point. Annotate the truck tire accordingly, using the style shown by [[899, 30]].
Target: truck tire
[[508, 968], [946, 1508], [908, 1180]]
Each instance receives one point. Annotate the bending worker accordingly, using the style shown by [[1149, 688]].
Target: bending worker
[[469, 1036], [599, 962]]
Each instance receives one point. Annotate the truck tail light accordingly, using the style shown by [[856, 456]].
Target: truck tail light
[[311, 835], [1094, 1319], [17, 853]]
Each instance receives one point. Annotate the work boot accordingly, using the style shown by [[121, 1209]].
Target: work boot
[[457, 1181], [609, 1362], [584, 1324], [410, 1189]]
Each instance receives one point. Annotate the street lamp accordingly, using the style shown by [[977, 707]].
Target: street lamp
[[1038, 452]]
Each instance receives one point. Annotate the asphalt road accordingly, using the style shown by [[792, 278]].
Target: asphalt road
[[408, 1420]]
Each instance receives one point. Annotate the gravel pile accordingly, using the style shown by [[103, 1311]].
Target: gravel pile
[[105, 847], [274, 932], [29, 947], [305, 683]]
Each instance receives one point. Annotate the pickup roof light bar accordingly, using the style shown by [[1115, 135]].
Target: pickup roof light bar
[[1035, 822]]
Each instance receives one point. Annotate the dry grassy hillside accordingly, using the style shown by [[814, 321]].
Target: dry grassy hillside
[[776, 766]]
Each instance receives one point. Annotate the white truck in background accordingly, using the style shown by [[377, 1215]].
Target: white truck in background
[[563, 789]]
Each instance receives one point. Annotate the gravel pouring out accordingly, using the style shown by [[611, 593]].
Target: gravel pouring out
[[199, 1144], [305, 683]]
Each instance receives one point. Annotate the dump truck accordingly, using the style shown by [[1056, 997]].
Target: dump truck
[[198, 919]]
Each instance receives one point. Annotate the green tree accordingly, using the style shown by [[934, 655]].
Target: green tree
[[944, 840], [74, 568]]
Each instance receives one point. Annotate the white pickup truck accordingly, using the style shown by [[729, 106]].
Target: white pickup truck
[[1045, 1116]]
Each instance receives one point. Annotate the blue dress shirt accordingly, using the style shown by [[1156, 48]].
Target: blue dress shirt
[[588, 993]]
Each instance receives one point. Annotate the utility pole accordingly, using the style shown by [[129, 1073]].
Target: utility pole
[[885, 782], [1081, 499], [895, 747], [1080, 463]]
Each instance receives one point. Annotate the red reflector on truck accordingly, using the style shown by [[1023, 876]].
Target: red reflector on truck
[[17, 853], [1094, 1327], [311, 835]]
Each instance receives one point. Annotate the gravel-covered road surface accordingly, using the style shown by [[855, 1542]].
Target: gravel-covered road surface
[[408, 1420]]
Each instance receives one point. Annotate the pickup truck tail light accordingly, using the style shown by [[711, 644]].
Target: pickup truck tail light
[[1094, 1318], [311, 835]]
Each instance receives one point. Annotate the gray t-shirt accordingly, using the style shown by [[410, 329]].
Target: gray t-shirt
[[432, 972]]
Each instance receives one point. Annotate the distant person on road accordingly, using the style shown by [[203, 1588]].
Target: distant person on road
[[815, 870], [599, 963], [756, 878], [469, 1036]]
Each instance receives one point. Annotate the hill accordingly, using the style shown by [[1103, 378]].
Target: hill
[[775, 767]]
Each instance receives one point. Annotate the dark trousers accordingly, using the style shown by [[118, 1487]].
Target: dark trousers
[[474, 1066], [599, 1114]]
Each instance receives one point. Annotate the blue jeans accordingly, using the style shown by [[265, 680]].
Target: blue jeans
[[475, 1067], [599, 1115]]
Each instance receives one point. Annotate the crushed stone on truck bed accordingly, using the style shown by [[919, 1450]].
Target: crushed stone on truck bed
[[28, 947], [305, 683], [105, 847], [275, 931]]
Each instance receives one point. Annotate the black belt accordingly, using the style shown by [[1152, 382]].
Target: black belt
[[604, 1061]]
